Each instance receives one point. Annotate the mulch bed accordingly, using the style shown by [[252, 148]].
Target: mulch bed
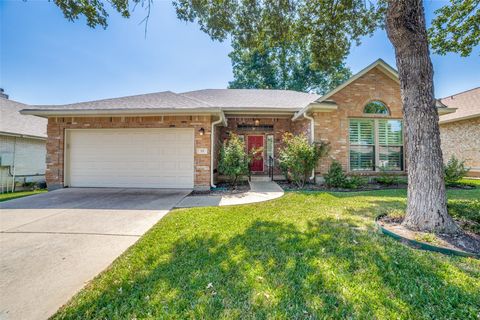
[[466, 241], [289, 186], [224, 188]]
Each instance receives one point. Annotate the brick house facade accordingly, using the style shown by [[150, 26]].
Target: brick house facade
[[260, 115], [460, 131]]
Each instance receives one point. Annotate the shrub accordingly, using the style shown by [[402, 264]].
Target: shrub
[[298, 157], [233, 161], [454, 171], [386, 178], [336, 178]]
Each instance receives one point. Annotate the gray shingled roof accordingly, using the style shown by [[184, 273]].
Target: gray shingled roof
[[201, 99], [158, 100], [253, 98], [12, 122]]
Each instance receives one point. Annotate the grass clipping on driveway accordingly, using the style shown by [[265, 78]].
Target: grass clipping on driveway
[[303, 256]]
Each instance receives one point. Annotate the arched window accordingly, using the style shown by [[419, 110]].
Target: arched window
[[376, 107]]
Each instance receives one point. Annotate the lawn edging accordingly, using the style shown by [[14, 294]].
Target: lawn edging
[[422, 245]]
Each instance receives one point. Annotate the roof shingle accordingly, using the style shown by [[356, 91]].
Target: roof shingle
[[467, 104], [12, 122]]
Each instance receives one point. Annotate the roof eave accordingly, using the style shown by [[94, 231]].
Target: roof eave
[[21, 135], [472, 116], [445, 110], [45, 113]]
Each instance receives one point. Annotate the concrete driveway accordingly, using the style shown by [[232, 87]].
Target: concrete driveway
[[52, 244]]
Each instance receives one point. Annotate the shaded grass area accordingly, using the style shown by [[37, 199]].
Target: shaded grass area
[[19, 194], [303, 256]]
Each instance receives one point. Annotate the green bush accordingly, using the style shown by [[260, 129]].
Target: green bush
[[298, 157], [233, 161], [336, 178], [454, 171], [386, 178]]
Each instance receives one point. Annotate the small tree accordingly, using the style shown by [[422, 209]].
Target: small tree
[[233, 161], [298, 157], [454, 170]]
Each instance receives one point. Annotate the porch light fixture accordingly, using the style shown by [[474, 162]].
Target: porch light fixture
[[201, 131], [257, 122]]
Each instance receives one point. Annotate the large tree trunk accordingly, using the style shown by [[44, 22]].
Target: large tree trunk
[[426, 202]]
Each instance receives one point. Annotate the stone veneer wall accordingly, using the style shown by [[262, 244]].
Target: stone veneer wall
[[462, 140], [56, 133], [333, 126]]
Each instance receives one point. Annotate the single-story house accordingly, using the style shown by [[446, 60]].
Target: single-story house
[[22, 146], [171, 140], [460, 131]]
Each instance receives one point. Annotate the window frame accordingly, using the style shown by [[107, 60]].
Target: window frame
[[388, 114], [376, 145]]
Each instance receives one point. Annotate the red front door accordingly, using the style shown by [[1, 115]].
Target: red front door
[[256, 142]]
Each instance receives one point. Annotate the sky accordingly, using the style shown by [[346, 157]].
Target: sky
[[46, 59]]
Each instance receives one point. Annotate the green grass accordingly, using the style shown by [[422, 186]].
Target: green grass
[[303, 256], [19, 194]]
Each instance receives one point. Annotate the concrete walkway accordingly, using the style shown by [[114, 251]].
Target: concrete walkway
[[259, 192], [53, 243]]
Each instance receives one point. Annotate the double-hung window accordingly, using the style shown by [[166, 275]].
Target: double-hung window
[[376, 144]]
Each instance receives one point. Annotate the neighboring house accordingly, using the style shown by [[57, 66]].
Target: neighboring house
[[170, 140], [22, 146], [460, 131]]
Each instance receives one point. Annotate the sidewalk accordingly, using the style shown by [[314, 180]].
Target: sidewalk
[[259, 192]]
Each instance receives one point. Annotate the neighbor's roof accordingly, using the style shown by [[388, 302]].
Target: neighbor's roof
[[14, 123], [209, 100], [229, 99], [467, 104]]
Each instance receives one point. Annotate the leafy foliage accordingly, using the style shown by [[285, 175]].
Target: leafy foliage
[[456, 27], [233, 161], [298, 157], [336, 178], [454, 170], [386, 178], [94, 10], [286, 67], [326, 28]]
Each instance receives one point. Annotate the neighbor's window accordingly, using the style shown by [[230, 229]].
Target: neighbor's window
[[376, 107], [376, 143]]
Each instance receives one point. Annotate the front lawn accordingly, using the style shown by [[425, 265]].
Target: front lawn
[[303, 256], [19, 194]]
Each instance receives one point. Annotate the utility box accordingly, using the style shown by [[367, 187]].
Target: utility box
[[6, 159]]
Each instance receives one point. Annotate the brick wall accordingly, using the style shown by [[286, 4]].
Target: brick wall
[[56, 132], [351, 100], [280, 127], [462, 139]]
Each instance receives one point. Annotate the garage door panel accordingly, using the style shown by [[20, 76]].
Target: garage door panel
[[146, 158]]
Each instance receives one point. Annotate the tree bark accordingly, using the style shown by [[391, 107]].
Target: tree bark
[[426, 200]]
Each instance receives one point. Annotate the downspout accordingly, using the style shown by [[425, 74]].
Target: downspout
[[312, 136], [14, 164], [212, 145]]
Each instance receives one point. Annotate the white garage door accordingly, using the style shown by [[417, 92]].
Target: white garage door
[[135, 158]]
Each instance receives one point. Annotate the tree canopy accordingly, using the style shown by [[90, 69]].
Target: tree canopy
[[456, 27], [331, 25], [286, 67]]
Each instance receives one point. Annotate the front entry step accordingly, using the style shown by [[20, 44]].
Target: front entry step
[[260, 178]]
